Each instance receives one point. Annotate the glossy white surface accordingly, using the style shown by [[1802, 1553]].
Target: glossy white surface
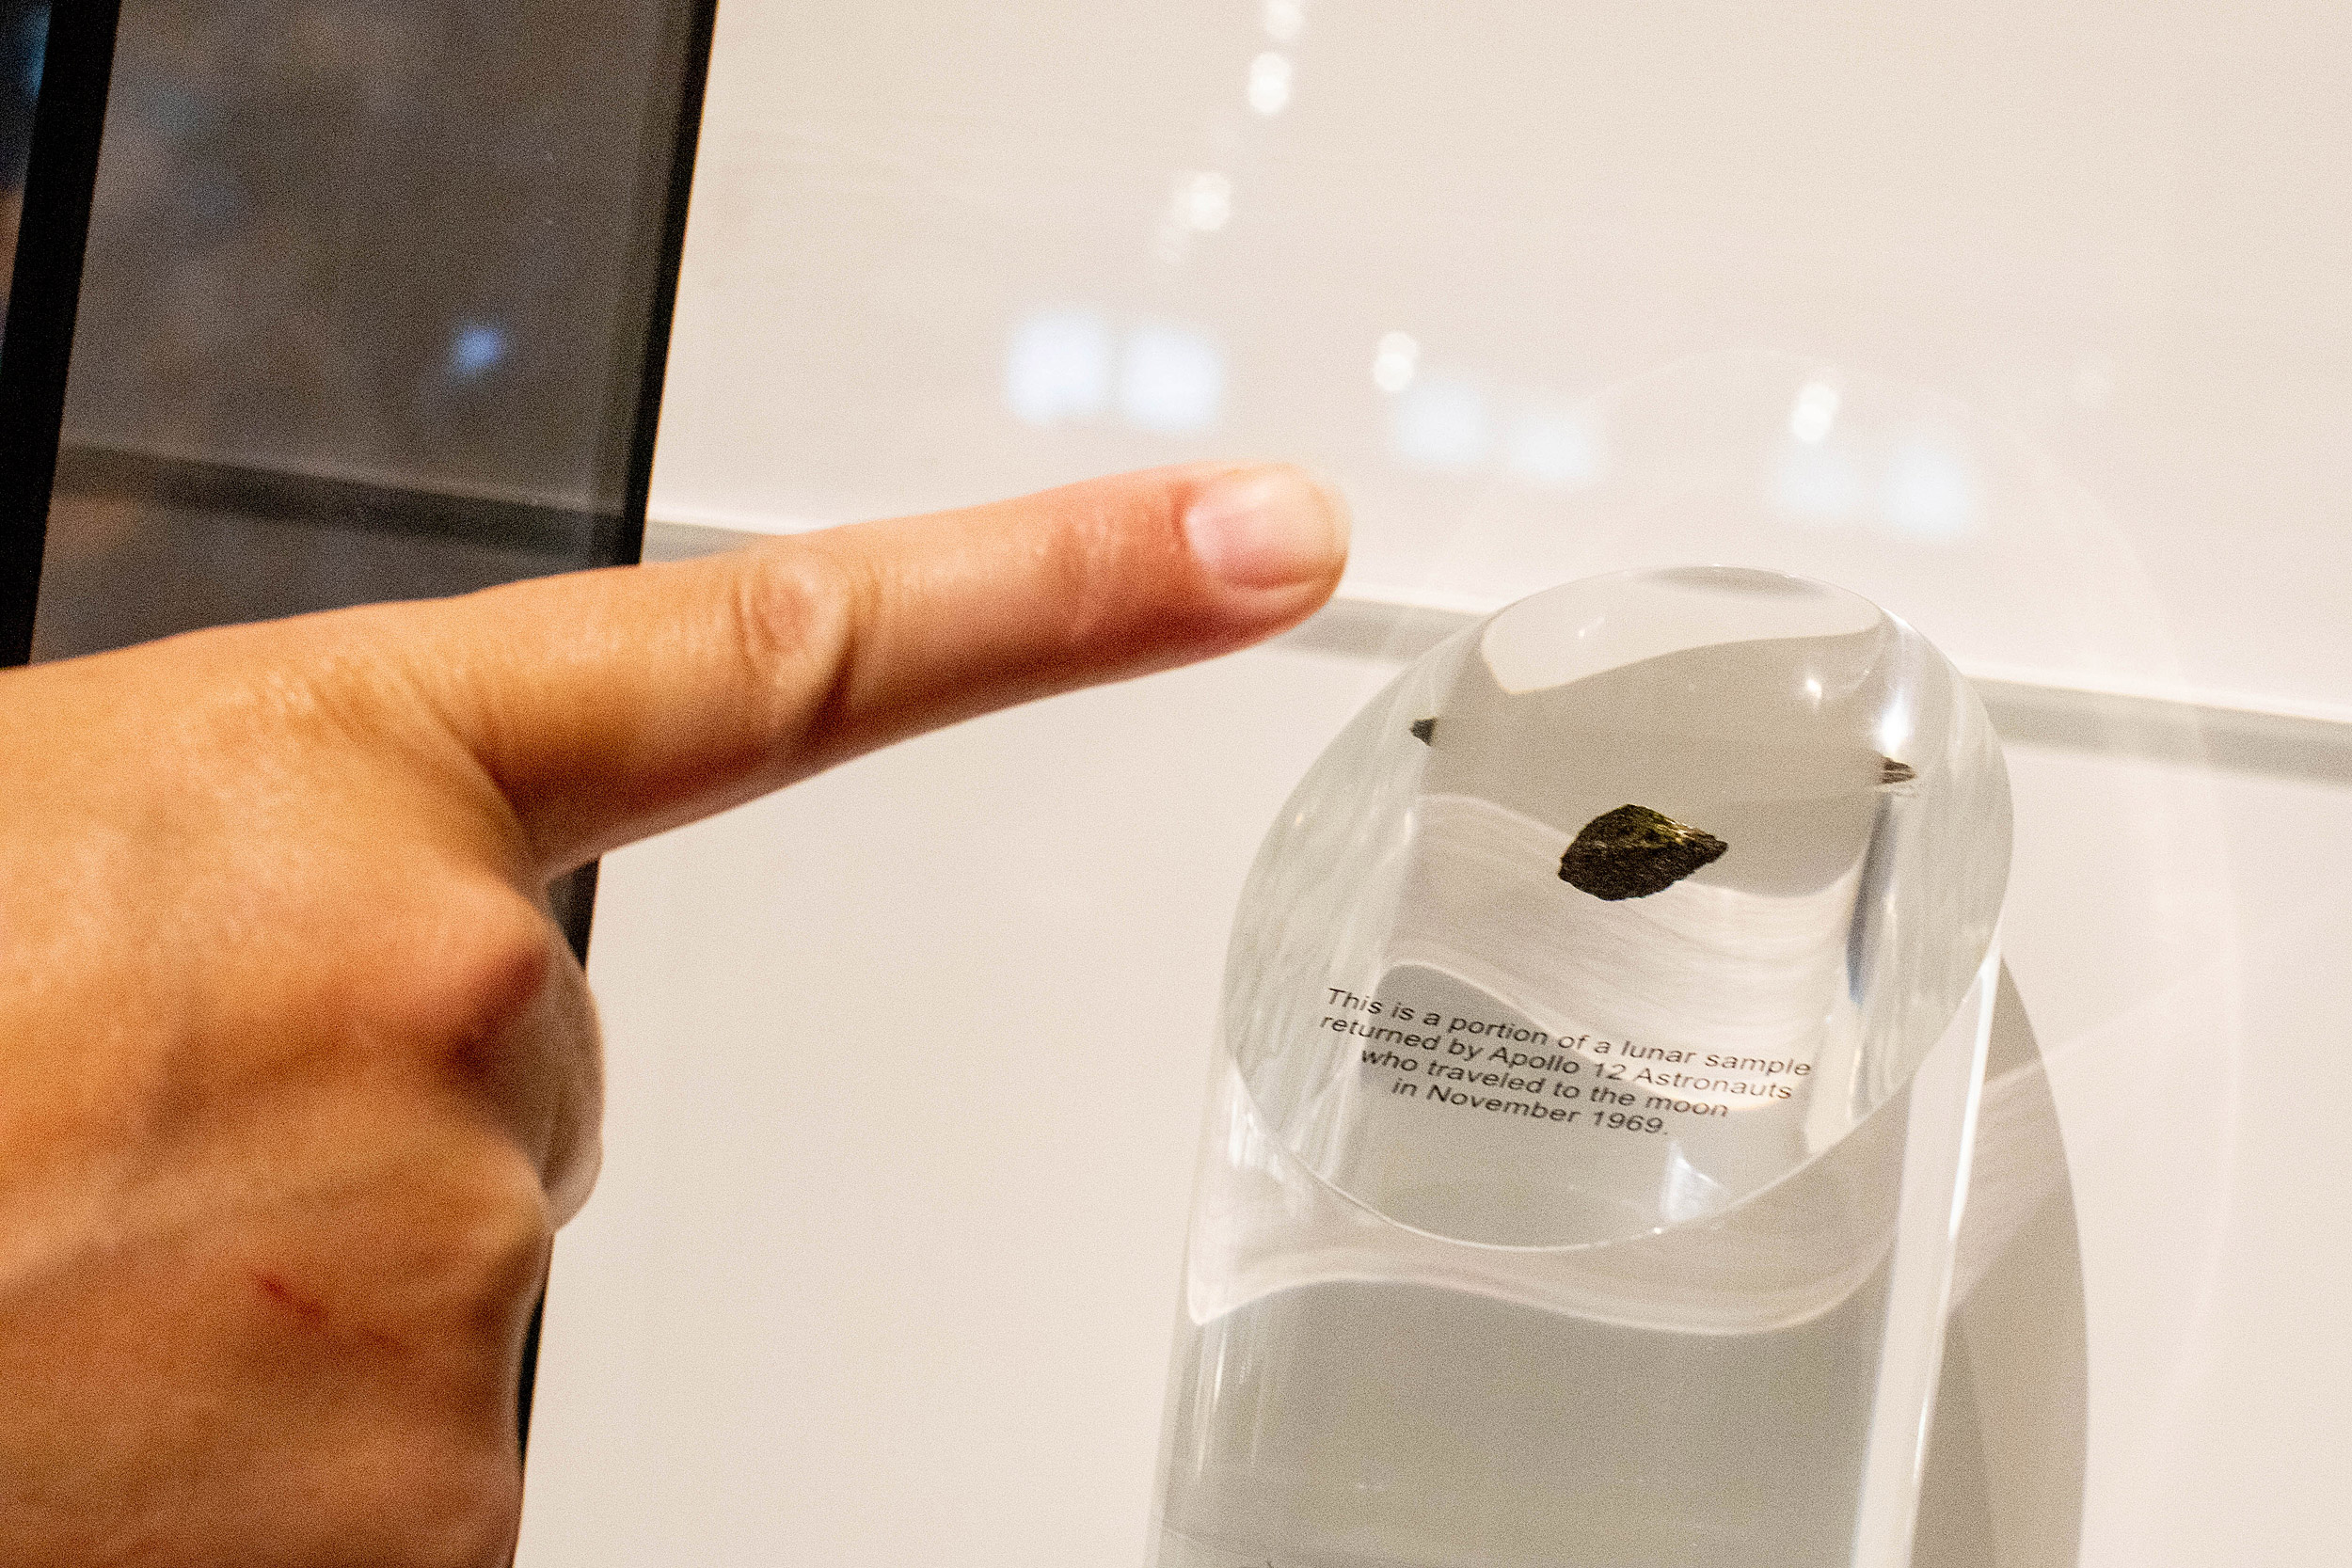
[[906, 1073], [2032, 322]]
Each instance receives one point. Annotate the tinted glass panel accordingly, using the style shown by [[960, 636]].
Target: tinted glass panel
[[367, 305]]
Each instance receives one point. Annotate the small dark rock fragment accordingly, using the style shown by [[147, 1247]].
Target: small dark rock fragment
[[1634, 852], [1423, 729], [1893, 772]]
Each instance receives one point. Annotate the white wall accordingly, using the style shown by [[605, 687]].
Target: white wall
[[2080, 272], [2032, 321]]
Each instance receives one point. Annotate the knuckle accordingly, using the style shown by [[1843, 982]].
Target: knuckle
[[490, 958], [495, 1228], [792, 615], [511, 1030], [1086, 557], [467, 1226]]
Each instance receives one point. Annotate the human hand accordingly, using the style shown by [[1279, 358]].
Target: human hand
[[297, 1075]]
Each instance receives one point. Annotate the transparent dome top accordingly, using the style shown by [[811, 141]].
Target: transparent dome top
[[1619, 907]]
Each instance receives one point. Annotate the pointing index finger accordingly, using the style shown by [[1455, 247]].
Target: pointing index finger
[[609, 705]]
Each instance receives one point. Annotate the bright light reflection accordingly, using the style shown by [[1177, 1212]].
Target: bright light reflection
[[1059, 367], [1554, 448], [1440, 424], [1817, 485], [1171, 380], [1394, 361], [475, 348], [1688, 1192], [1203, 201], [1270, 83], [1893, 727], [1816, 410], [1929, 492], [1284, 20]]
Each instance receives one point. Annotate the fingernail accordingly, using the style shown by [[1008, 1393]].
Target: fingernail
[[1268, 528]]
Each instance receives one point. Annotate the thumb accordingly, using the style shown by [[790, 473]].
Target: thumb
[[609, 705]]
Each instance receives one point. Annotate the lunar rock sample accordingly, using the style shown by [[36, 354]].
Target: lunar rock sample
[[1634, 852]]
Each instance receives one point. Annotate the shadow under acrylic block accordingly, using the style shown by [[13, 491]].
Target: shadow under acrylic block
[[1601, 1038]]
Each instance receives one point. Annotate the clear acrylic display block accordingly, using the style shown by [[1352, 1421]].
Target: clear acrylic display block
[[1602, 1033]]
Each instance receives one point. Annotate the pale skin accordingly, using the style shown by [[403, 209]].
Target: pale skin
[[297, 1076]]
